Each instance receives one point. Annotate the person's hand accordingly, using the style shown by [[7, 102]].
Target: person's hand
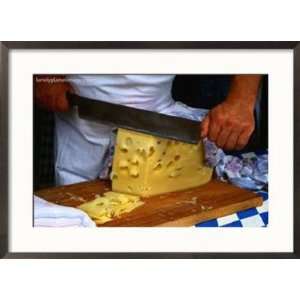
[[229, 125], [50, 93]]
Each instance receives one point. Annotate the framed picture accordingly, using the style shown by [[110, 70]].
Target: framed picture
[[149, 150]]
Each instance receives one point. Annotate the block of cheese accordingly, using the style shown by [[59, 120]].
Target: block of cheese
[[145, 165], [109, 206]]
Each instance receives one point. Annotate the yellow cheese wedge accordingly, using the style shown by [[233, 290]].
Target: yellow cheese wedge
[[109, 206], [145, 165]]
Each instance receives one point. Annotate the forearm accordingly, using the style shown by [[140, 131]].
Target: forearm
[[243, 90], [231, 123]]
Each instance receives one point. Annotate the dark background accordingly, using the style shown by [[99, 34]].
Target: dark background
[[205, 91]]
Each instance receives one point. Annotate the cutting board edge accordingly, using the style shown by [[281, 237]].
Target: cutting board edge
[[209, 215]]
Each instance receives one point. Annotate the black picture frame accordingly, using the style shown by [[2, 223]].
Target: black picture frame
[[6, 47]]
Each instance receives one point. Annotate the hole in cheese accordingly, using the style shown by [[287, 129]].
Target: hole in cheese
[[151, 151], [177, 157], [175, 173], [134, 171], [134, 160], [123, 164], [113, 176], [141, 152], [158, 166], [170, 163]]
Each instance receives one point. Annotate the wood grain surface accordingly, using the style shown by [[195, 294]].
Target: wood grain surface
[[185, 208]]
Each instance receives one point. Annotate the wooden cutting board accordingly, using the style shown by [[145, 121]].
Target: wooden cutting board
[[186, 208]]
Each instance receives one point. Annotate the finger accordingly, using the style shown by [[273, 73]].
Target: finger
[[232, 140], [213, 130], [243, 140], [222, 137], [204, 127]]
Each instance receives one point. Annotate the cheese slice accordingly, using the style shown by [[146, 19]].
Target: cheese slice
[[145, 165], [109, 206]]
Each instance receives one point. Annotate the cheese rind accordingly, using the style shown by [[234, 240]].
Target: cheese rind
[[152, 165]]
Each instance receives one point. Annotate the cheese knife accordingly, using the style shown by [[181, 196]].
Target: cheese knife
[[144, 121]]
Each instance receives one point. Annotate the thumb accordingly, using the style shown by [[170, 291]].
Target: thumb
[[204, 127]]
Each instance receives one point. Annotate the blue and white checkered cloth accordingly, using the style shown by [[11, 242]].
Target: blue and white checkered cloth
[[246, 170], [252, 217]]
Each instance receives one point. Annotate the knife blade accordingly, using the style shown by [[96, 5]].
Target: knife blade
[[144, 121]]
